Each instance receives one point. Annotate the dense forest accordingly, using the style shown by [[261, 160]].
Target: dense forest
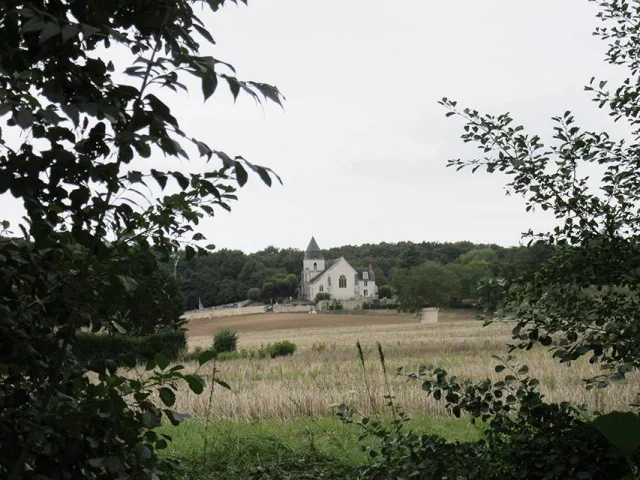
[[227, 276]]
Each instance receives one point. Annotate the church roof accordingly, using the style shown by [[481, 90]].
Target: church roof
[[313, 251], [369, 271]]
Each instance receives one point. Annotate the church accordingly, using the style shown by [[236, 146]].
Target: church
[[335, 277]]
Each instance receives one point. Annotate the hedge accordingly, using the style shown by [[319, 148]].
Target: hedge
[[95, 347]]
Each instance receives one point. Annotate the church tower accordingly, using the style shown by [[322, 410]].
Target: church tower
[[313, 258], [312, 265]]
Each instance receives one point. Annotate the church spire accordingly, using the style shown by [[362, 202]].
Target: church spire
[[313, 251]]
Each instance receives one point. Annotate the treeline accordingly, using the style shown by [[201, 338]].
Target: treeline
[[229, 276]]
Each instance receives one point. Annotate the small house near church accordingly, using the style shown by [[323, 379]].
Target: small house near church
[[335, 277]]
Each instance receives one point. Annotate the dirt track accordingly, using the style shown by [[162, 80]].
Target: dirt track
[[283, 321]]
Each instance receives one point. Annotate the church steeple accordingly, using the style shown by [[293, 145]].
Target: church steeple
[[313, 251], [313, 259]]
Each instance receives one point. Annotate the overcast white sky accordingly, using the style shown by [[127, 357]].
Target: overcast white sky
[[361, 144]]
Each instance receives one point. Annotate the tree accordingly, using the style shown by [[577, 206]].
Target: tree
[[268, 291], [487, 255], [429, 284], [385, 291], [70, 150], [410, 257], [469, 275], [254, 294], [157, 304]]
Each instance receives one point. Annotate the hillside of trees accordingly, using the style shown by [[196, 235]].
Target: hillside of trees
[[227, 276]]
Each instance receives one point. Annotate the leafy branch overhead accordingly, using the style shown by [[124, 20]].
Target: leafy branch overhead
[[77, 130], [586, 298]]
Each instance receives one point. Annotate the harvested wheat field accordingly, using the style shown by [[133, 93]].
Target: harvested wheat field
[[325, 369], [285, 321]]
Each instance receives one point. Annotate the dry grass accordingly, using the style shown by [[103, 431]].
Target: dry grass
[[325, 370]]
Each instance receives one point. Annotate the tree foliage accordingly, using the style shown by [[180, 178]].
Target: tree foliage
[[585, 300], [77, 128], [225, 276], [429, 284]]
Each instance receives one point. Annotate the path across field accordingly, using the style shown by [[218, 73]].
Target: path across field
[[283, 321]]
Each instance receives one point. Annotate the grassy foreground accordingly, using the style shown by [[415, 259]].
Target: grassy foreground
[[304, 449]]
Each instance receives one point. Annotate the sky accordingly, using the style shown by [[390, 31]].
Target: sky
[[361, 143]]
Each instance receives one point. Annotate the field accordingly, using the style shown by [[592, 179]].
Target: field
[[288, 321], [325, 370]]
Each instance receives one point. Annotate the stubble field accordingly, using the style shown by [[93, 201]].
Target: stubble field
[[325, 369]]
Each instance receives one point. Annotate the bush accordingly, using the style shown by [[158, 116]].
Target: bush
[[96, 347], [385, 291], [335, 305], [223, 356], [322, 296], [254, 294], [225, 340], [281, 349]]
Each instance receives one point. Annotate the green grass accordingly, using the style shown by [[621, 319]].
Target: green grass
[[304, 449]]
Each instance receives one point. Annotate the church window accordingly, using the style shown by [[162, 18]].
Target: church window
[[365, 275], [315, 266], [322, 288], [343, 281], [366, 293], [366, 283], [329, 281]]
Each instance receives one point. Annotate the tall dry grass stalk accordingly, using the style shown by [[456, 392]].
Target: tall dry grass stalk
[[326, 369]]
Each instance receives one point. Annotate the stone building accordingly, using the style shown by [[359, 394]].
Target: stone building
[[335, 277]]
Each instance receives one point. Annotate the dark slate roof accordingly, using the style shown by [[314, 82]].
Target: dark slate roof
[[313, 251], [363, 270]]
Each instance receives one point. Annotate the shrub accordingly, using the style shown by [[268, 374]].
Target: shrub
[[223, 356], [225, 340], [322, 296], [335, 305], [385, 291], [96, 347], [254, 294], [281, 349]]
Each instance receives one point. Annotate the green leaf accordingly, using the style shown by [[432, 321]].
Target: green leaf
[[206, 356], [209, 84], [500, 368], [222, 383], [142, 452], [205, 33], [196, 383], [622, 429], [175, 418], [523, 370], [69, 31], [35, 24], [241, 174], [151, 419], [167, 396], [49, 30], [24, 118], [151, 364], [5, 224], [159, 177], [162, 361], [190, 252]]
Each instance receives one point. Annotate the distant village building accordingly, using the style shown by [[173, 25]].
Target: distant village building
[[335, 277]]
